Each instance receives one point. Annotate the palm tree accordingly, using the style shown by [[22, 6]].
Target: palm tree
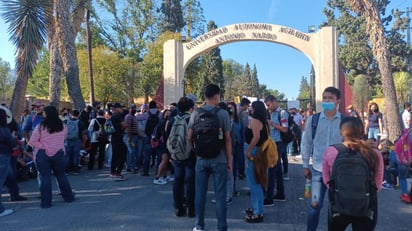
[[27, 26], [29, 22], [382, 54]]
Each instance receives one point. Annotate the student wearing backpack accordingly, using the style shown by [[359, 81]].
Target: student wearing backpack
[[210, 127], [278, 122], [314, 144], [75, 139], [95, 126], [353, 163], [184, 161], [150, 122]]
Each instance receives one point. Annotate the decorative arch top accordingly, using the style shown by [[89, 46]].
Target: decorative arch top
[[291, 37]]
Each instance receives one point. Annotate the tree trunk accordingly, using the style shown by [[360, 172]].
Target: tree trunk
[[67, 48], [381, 52], [18, 99], [55, 72]]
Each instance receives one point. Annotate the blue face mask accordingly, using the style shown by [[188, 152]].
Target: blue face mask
[[328, 106]]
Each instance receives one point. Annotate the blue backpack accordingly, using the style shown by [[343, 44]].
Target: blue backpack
[[72, 129]]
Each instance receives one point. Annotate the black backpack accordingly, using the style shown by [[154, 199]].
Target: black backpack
[[352, 188], [207, 133], [290, 135], [151, 123]]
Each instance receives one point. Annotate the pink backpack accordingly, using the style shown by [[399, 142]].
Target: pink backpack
[[403, 147]]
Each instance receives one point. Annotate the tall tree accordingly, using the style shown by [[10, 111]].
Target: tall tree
[[304, 89], [361, 94], [375, 31], [254, 81], [172, 13], [211, 69], [232, 72], [194, 18], [27, 28]]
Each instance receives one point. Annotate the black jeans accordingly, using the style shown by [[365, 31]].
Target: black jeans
[[275, 174], [97, 146], [119, 152], [184, 184]]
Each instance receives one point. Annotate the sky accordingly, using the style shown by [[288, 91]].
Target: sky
[[279, 67]]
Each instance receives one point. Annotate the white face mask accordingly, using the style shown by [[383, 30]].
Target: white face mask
[[349, 111]]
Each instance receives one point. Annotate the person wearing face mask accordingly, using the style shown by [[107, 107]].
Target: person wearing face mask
[[313, 145], [373, 125], [130, 139]]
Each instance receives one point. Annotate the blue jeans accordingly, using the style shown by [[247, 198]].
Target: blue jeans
[[318, 190], [256, 190], [45, 165], [275, 174], [403, 171], [373, 133], [140, 150], [131, 158], [184, 184], [4, 170], [72, 154], [205, 168]]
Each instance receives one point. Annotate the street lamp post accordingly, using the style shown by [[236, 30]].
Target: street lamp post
[[311, 29], [184, 86]]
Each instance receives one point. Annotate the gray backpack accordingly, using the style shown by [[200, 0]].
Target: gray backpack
[[177, 143]]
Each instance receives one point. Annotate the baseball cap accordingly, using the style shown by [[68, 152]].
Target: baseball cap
[[192, 97]]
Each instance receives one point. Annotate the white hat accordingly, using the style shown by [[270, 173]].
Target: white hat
[[8, 113]]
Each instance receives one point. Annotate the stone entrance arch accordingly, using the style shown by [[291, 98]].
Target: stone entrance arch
[[319, 47]]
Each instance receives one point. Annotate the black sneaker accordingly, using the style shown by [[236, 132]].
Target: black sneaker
[[268, 202], [19, 198], [279, 198], [191, 212], [180, 212]]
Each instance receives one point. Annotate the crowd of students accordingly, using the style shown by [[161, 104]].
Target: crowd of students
[[135, 139]]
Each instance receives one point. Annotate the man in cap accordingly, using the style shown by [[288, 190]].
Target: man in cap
[[118, 146], [33, 120]]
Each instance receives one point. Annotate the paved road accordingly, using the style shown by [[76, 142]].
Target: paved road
[[137, 204]]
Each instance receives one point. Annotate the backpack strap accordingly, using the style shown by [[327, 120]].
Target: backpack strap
[[315, 121], [341, 148]]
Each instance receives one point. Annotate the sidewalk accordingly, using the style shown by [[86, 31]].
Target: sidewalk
[[138, 204]]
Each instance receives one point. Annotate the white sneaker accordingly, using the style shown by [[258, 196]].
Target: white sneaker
[[169, 178], [6, 212], [196, 229], [159, 181]]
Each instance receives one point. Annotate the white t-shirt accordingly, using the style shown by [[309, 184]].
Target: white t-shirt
[[406, 116]]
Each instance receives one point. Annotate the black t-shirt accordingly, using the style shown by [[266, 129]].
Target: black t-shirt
[[263, 136]]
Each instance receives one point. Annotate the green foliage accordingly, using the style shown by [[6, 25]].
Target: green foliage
[[402, 82], [172, 15], [304, 90], [39, 85], [6, 84], [110, 73], [361, 93], [355, 50], [211, 66]]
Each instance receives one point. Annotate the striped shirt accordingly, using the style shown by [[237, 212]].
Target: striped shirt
[[51, 143], [131, 124]]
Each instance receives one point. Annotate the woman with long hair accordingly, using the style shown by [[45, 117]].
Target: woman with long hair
[[255, 135], [47, 141], [373, 124], [7, 143], [236, 131], [352, 130]]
